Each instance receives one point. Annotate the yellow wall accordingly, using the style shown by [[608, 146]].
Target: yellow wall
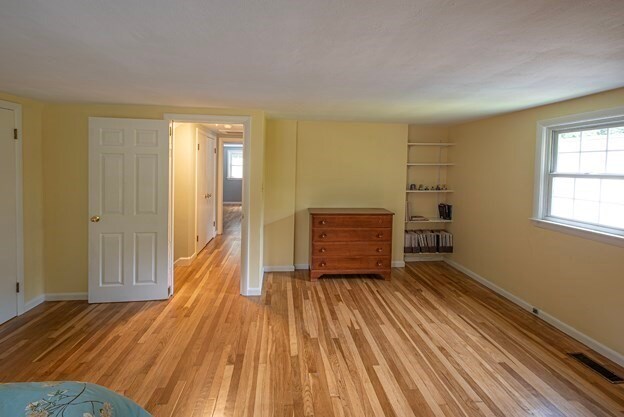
[[184, 160], [576, 280], [349, 165], [65, 145], [33, 195], [280, 171]]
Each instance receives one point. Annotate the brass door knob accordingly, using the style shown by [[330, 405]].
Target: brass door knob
[[208, 195], [380, 235], [379, 263], [323, 221], [379, 250], [323, 235], [95, 219], [323, 250], [323, 264]]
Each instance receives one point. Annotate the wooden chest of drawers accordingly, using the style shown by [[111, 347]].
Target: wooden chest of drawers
[[350, 241]]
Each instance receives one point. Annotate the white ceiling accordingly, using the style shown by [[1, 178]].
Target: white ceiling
[[404, 61]]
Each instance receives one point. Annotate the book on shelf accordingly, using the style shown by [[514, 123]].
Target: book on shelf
[[428, 241], [445, 211]]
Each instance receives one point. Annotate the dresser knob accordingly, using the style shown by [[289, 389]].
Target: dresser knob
[[379, 235], [379, 250], [323, 250], [323, 221], [379, 263], [323, 235], [323, 264]]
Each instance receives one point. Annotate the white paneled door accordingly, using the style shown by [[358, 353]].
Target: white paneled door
[[8, 216], [128, 209], [206, 196]]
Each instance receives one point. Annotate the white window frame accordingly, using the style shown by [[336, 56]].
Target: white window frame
[[229, 161], [544, 155]]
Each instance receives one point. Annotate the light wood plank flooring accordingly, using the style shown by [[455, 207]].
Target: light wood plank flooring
[[431, 342]]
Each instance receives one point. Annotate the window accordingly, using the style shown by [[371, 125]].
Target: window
[[581, 174], [234, 163]]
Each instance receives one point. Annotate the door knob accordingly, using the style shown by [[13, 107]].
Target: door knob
[[95, 219], [208, 195]]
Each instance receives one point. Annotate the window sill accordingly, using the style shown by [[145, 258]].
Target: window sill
[[595, 235]]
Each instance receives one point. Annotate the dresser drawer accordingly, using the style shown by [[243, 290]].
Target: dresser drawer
[[350, 263], [329, 221], [351, 235], [351, 249]]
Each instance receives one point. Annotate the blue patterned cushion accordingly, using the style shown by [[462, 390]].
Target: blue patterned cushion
[[66, 399]]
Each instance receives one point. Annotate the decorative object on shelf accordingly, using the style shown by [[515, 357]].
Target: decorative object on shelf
[[412, 186], [438, 187], [444, 187], [426, 188], [419, 219], [421, 187]]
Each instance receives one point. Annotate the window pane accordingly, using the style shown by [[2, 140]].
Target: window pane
[[236, 172], [563, 187], [586, 211], [612, 191], [616, 138], [593, 162], [569, 142], [568, 162], [562, 207], [612, 215], [236, 157], [615, 162], [594, 140], [587, 189]]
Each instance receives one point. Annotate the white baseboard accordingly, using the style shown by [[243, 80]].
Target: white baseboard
[[66, 296], [252, 292], [553, 321], [302, 266], [279, 268], [185, 261], [29, 305], [232, 203]]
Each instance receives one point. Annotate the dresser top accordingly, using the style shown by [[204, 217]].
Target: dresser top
[[350, 211]]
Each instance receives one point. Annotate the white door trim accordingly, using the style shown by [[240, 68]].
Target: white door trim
[[19, 198], [245, 226], [211, 135]]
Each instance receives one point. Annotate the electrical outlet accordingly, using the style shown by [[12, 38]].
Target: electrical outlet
[[535, 311]]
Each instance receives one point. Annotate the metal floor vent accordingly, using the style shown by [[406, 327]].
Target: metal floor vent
[[592, 364]]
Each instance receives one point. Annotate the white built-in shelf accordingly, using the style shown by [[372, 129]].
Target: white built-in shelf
[[435, 220], [431, 144], [433, 256], [429, 191], [429, 164]]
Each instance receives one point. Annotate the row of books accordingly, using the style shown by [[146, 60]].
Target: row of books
[[428, 241]]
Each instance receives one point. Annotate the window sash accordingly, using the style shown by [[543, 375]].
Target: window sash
[[231, 164]]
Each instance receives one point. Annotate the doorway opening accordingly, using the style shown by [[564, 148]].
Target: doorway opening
[[207, 202]]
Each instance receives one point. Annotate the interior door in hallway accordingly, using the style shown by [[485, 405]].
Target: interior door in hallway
[[8, 216], [206, 181], [128, 209]]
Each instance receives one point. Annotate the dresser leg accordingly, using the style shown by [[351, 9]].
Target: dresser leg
[[314, 276], [386, 276]]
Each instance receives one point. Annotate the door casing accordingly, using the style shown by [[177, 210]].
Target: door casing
[[211, 138], [246, 122]]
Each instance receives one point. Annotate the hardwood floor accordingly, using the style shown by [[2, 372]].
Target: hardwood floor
[[431, 342]]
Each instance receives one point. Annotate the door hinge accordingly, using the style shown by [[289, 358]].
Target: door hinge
[[169, 291], [197, 238], [170, 131], [215, 150], [198, 146], [17, 288], [214, 223], [15, 134]]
